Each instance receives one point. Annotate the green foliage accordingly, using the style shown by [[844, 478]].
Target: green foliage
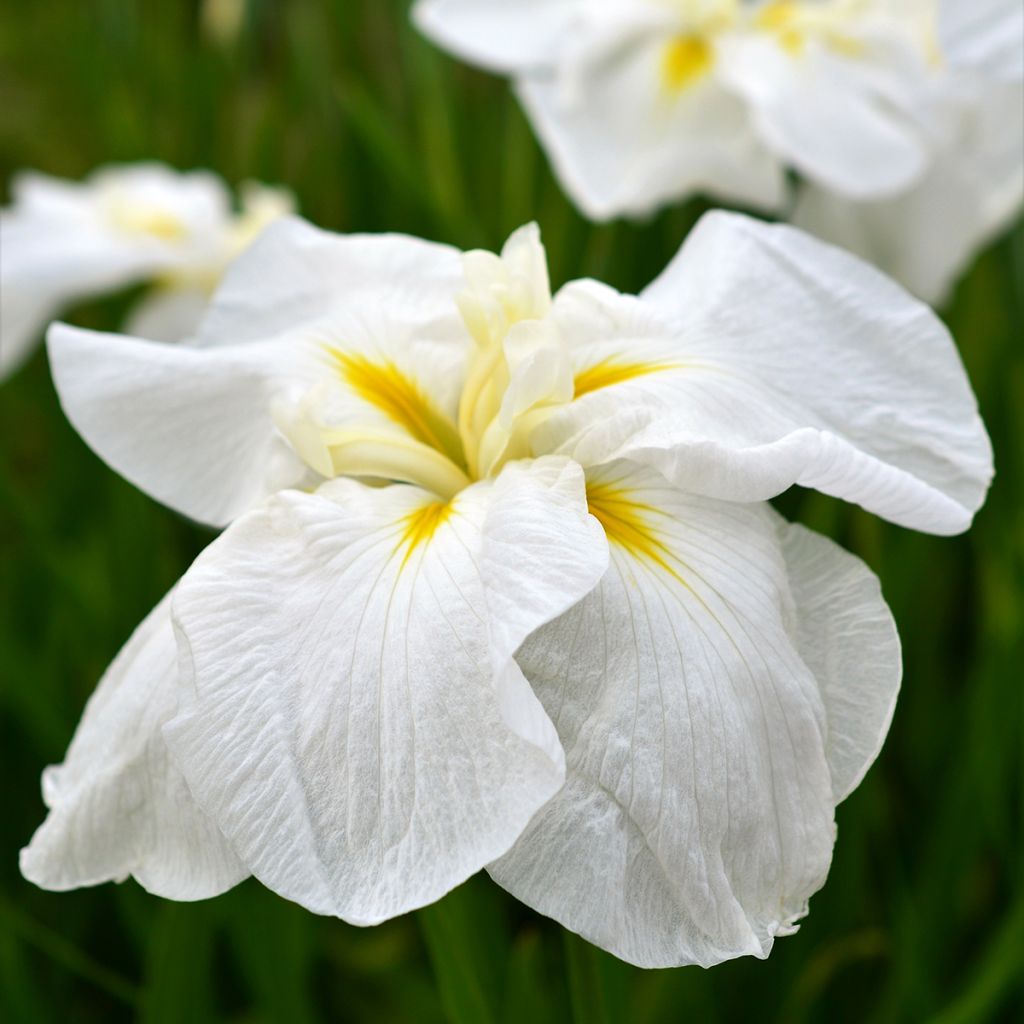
[[923, 915]]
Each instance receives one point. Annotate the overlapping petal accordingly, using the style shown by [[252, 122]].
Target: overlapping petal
[[351, 714], [313, 339], [762, 358], [703, 694], [118, 804]]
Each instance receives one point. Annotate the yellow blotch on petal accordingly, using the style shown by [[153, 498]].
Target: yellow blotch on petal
[[628, 524], [610, 371], [387, 388], [420, 526], [686, 59]]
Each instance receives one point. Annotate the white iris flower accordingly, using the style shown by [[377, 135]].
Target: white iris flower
[[64, 241], [500, 587], [906, 117]]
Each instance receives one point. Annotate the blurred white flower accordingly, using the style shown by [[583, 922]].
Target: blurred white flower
[[500, 587], [926, 235], [64, 241], [903, 116]]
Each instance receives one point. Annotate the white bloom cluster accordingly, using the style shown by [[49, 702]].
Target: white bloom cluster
[[904, 118]]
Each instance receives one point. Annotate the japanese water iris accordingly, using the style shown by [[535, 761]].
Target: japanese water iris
[[904, 120], [128, 224], [499, 586]]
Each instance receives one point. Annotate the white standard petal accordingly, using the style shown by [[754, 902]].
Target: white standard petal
[[697, 816], [191, 427], [763, 358], [502, 35], [352, 717], [296, 273], [118, 805]]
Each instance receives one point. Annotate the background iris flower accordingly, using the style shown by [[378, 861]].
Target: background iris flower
[[904, 121]]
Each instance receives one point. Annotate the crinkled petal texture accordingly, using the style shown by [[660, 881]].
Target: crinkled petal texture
[[368, 324], [118, 804], [352, 717], [762, 358], [726, 683]]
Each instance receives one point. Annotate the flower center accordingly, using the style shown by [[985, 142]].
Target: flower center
[[517, 371]]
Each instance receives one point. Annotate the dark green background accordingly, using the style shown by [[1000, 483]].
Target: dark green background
[[922, 918]]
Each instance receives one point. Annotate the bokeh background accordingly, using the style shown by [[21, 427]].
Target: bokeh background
[[922, 918]]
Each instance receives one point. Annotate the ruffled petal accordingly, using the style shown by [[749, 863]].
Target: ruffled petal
[[762, 358], [118, 805], [697, 816], [352, 717]]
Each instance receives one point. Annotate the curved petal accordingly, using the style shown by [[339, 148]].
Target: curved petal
[[296, 273], [697, 816], [846, 635], [501, 35], [795, 103], [762, 358], [352, 717], [191, 427], [118, 805]]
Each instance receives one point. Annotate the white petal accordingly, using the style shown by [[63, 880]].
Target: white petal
[[193, 428], [352, 718], [49, 263], [779, 360], [697, 816], [986, 35], [502, 35], [926, 237], [295, 273], [846, 635], [622, 146], [168, 313], [835, 119], [118, 805]]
